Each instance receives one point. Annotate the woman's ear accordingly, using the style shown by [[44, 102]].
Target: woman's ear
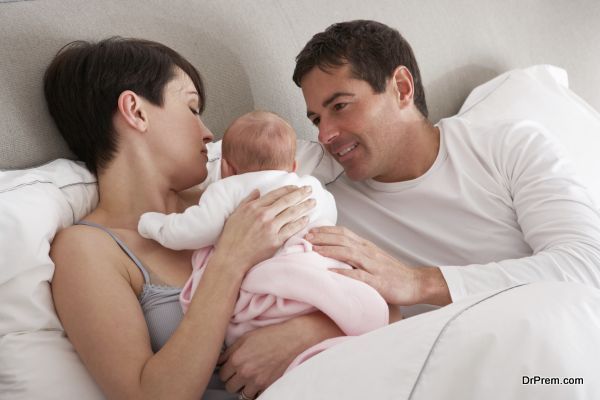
[[130, 107], [227, 169], [403, 85]]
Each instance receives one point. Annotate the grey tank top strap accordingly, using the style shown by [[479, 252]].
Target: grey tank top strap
[[162, 311], [123, 246]]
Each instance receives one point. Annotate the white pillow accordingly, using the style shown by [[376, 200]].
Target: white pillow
[[36, 359], [541, 93]]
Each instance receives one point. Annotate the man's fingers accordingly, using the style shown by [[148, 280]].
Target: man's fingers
[[344, 254], [358, 274], [329, 239], [336, 230]]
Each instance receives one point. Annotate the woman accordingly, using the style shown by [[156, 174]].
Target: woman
[[130, 109]]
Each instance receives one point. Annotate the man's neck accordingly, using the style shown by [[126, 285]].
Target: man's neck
[[416, 151]]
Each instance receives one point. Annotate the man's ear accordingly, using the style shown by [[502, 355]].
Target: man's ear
[[403, 85], [227, 169], [130, 107]]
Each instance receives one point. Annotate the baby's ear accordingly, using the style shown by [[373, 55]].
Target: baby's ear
[[295, 166], [227, 169]]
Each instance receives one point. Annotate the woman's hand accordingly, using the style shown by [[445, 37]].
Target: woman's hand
[[260, 225], [257, 359], [260, 357], [396, 282]]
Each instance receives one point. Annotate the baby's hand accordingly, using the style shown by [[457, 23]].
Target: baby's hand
[[150, 224]]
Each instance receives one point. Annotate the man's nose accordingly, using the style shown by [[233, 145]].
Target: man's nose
[[327, 132]]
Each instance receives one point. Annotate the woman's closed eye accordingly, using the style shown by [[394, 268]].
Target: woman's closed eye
[[195, 111]]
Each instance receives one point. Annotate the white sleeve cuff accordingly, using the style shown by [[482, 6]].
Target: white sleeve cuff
[[455, 282], [150, 224], [213, 166]]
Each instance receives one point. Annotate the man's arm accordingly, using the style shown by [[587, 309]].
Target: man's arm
[[557, 217], [396, 282], [555, 212]]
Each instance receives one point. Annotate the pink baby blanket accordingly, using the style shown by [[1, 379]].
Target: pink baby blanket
[[296, 281]]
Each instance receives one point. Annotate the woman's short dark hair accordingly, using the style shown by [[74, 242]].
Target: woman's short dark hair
[[83, 83], [373, 51]]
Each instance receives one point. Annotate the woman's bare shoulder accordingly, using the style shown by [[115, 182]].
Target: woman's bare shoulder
[[99, 310], [80, 247], [79, 238]]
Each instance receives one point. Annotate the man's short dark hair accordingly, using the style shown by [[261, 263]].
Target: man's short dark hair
[[373, 51], [83, 83]]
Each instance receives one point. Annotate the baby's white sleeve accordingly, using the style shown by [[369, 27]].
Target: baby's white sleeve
[[325, 209], [213, 165], [198, 226]]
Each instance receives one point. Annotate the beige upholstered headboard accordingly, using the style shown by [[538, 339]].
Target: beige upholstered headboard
[[245, 51]]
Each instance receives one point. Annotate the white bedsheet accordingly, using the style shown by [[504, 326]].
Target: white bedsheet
[[483, 347]]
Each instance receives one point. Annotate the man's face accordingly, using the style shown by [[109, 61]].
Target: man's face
[[355, 124]]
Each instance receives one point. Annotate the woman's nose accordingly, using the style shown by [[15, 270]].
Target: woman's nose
[[208, 136]]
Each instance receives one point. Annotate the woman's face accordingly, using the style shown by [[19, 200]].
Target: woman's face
[[178, 134]]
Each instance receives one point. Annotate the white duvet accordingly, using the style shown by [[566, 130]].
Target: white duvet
[[535, 341]]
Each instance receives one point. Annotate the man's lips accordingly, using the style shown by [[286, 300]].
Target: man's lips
[[345, 149]]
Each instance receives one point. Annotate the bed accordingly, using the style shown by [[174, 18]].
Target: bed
[[486, 60]]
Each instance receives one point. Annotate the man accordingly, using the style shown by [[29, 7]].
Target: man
[[427, 214], [452, 209]]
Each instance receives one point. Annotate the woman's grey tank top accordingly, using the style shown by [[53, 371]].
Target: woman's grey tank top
[[162, 311]]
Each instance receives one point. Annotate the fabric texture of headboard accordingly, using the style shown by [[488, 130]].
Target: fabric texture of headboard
[[245, 51]]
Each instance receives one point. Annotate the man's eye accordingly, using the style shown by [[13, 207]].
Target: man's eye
[[316, 121], [339, 106]]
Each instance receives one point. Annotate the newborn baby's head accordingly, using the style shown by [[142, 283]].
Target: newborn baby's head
[[258, 141]]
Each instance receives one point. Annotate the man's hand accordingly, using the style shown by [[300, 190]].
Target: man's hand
[[396, 282], [260, 357]]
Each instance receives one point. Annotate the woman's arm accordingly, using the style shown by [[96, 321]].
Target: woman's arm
[[260, 357], [103, 319]]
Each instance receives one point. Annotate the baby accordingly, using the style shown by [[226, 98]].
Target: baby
[[258, 152]]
